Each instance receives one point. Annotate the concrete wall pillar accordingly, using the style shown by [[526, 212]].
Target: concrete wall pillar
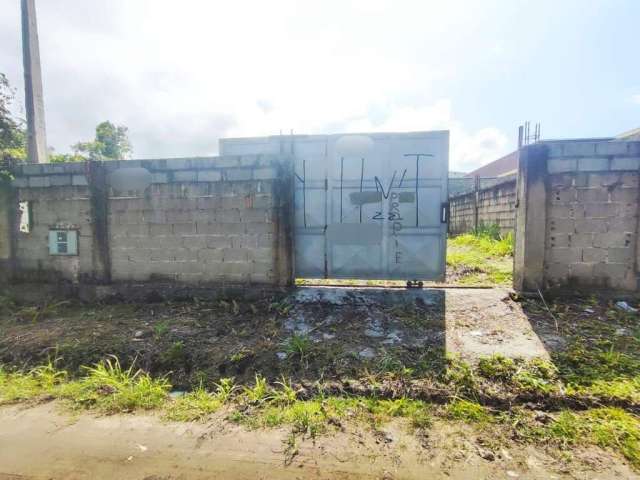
[[283, 245], [7, 222], [531, 212], [99, 199]]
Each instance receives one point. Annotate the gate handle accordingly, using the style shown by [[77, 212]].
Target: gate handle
[[444, 212]]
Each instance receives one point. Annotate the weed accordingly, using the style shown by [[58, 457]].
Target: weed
[[468, 411], [605, 427], [460, 376], [260, 392], [298, 346], [111, 388], [481, 257], [497, 367], [35, 313], [240, 355], [175, 354], [193, 406], [161, 328], [286, 394]]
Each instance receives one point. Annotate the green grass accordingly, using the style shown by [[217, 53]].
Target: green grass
[[605, 427], [198, 404], [481, 258], [468, 411]]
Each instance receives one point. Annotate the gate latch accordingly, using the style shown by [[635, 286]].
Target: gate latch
[[444, 212]]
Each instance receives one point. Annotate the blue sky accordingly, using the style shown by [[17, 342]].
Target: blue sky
[[180, 76]]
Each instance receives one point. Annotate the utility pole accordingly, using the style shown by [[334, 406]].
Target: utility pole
[[34, 99]]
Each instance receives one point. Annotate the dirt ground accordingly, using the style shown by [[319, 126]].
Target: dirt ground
[[42, 443], [307, 334]]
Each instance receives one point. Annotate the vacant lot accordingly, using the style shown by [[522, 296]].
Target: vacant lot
[[503, 372]]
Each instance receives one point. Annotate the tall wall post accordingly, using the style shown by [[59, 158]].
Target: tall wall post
[[99, 199], [283, 198], [33, 96], [7, 223], [531, 211]]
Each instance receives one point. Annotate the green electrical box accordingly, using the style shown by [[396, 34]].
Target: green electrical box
[[63, 242]]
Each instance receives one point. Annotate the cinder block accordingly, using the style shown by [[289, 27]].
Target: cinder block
[[622, 224], [594, 255], [593, 195], [180, 229], [177, 163], [220, 228], [561, 195], [237, 174], [261, 255], [79, 180], [591, 225], [32, 169], [75, 167], [209, 176], [579, 149], [559, 240], [228, 216], [228, 161], [249, 160], [556, 149], [265, 173], [39, 181], [235, 255], [611, 148], [212, 255], [52, 168], [220, 241], [611, 270], [625, 163], [20, 182], [556, 271], [185, 176], [612, 239], [203, 163], [581, 240], [564, 255], [560, 165], [581, 271], [254, 215], [178, 216], [139, 255], [600, 210], [561, 212], [626, 195], [160, 230], [159, 177], [593, 164], [253, 228], [60, 180], [620, 255]]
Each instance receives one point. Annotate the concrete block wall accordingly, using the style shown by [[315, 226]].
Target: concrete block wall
[[199, 220], [489, 206], [587, 205], [59, 198]]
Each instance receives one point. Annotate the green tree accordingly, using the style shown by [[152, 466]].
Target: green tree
[[111, 143], [12, 135]]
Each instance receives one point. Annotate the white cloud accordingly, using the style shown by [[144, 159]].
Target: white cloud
[[182, 76], [636, 98]]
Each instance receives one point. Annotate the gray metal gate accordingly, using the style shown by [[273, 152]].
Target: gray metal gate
[[371, 206]]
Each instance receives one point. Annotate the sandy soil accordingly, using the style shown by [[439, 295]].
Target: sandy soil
[[43, 443]]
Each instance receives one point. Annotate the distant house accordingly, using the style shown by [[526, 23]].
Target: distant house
[[502, 167], [508, 165]]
